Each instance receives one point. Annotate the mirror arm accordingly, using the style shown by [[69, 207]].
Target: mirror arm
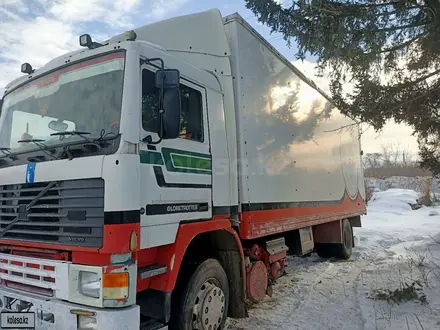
[[149, 139]]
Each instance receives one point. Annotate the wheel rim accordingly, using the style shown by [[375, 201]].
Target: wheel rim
[[209, 307]]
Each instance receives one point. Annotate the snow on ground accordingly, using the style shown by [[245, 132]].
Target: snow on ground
[[396, 247]]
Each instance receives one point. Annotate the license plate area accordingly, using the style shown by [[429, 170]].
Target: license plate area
[[19, 306], [17, 320]]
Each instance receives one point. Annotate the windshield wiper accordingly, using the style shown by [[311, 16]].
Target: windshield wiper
[[100, 141], [67, 151], [40, 145], [78, 133]]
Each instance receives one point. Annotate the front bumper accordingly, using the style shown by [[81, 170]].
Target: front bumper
[[60, 312]]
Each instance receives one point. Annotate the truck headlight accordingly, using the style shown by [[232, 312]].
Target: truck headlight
[[89, 284], [101, 286]]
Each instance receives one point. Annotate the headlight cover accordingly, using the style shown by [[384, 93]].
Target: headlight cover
[[102, 286], [89, 283]]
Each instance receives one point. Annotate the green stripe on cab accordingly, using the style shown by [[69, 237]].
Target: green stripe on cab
[[151, 157], [177, 160], [187, 161]]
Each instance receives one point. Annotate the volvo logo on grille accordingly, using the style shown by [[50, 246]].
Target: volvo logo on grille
[[77, 239], [23, 213]]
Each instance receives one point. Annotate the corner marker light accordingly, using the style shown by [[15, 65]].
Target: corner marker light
[[85, 41], [131, 35], [27, 68]]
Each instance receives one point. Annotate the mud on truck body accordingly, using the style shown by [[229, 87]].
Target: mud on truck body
[[160, 178]]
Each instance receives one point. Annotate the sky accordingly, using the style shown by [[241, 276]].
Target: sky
[[36, 31]]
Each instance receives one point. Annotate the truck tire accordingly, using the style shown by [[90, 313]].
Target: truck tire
[[342, 250], [204, 301]]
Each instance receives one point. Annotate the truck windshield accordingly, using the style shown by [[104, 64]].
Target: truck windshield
[[84, 96]]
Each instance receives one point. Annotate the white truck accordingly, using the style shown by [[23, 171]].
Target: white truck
[[160, 178]]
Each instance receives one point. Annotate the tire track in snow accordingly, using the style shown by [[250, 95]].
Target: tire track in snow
[[314, 286], [333, 302], [288, 294]]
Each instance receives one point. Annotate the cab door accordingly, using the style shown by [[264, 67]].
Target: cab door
[[176, 174]]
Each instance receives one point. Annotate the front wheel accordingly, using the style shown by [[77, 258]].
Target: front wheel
[[205, 299]]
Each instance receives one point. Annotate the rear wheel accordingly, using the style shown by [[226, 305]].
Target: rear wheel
[[204, 301], [341, 250]]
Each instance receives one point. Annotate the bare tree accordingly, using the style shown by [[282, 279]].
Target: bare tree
[[372, 161], [394, 155], [394, 159]]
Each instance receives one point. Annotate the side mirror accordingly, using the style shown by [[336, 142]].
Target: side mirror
[[169, 77], [171, 115]]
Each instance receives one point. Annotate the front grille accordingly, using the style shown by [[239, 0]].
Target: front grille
[[32, 274], [71, 212]]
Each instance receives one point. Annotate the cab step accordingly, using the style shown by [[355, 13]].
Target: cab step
[[152, 270], [153, 325]]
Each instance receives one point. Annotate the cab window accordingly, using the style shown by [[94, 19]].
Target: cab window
[[191, 120]]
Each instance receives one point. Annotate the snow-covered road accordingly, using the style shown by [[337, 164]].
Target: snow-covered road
[[396, 247]]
